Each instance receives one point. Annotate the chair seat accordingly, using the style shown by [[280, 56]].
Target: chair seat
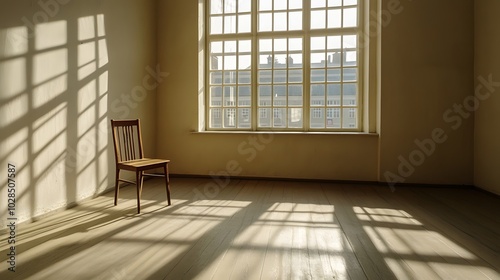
[[142, 163]]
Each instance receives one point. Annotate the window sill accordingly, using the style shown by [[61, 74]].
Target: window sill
[[287, 132]]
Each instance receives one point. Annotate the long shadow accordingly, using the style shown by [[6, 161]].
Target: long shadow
[[41, 165], [31, 267]]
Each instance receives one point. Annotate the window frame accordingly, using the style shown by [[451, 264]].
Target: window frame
[[306, 33]]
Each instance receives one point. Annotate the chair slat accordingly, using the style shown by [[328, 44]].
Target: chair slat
[[133, 143], [125, 141]]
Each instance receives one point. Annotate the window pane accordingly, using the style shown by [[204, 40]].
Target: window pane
[[318, 3], [295, 60], [334, 18], [230, 77], [230, 96], [295, 119], [279, 76], [279, 96], [280, 21], [333, 95], [333, 75], [244, 24], [295, 44], [265, 117], [264, 95], [216, 62], [350, 95], [244, 62], [215, 96], [216, 25], [244, 46], [279, 117], [215, 118], [351, 58], [334, 3], [334, 59], [265, 61], [229, 62], [318, 19], [244, 96], [350, 118], [215, 7], [317, 118], [317, 75], [317, 43], [265, 22], [230, 46], [265, 77], [230, 6], [244, 118], [350, 17], [294, 4], [229, 24], [280, 45], [216, 47], [280, 5], [350, 41], [317, 60], [265, 45], [216, 78], [295, 76], [280, 61], [317, 95], [350, 2], [335, 42], [350, 74], [229, 118], [244, 77], [244, 5], [265, 5], [333, 118], [295, 97]]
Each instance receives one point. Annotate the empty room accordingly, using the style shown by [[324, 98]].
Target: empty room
[[249, 139]]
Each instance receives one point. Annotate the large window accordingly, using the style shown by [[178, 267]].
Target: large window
[[284, 65]]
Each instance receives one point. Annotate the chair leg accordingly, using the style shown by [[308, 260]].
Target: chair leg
[[139, 190], [167, 182], [117, 187]]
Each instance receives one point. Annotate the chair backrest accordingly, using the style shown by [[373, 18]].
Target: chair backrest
[[127, 139]]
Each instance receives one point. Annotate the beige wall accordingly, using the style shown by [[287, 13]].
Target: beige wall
[[487, 64], [66, 69], [427, 67]]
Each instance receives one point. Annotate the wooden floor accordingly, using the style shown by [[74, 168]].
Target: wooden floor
[[254, 229]]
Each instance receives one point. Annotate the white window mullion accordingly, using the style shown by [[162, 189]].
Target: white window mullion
[[207, 66], [255, 68], [306, 23], [361, 63]]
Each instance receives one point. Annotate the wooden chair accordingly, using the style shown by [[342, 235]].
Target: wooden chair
[[129, 156]]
